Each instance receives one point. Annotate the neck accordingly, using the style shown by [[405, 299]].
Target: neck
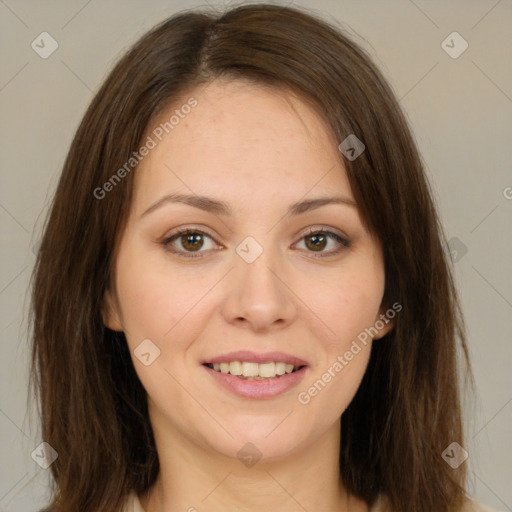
[[191, 478]]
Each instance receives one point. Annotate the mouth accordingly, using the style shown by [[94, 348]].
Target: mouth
[[255, 371], [254, 376]]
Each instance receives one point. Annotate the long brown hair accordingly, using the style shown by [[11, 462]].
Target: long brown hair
[[92, 405]]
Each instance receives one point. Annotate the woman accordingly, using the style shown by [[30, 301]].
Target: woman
[[241, 298]]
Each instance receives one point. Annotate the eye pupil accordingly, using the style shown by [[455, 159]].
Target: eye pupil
[[190, 240], [318, 241]]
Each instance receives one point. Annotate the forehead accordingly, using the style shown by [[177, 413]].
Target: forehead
[[234, 113], [244, 134]]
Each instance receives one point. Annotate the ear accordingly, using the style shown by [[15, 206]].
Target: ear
[[110, 312], [384, 322]]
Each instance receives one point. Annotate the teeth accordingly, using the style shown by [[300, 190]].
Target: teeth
[[236, 368], [267, 370], [248, 369], [254, 371], [280, 368]]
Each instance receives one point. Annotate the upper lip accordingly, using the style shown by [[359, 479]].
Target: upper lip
[[253, 357]]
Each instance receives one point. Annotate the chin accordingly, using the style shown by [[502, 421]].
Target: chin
[[262, 441]]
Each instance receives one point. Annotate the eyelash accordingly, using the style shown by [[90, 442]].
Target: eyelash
[[186, 231]]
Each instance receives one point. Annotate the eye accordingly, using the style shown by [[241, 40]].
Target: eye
[[317, 240], [191, 241]]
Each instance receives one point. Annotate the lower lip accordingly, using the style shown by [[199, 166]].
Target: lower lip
[[258, 389]]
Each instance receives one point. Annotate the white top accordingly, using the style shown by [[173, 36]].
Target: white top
[[132, 504]]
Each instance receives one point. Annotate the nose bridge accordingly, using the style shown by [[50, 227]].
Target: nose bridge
[[257, 292]]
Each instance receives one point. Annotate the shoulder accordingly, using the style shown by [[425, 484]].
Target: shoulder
[[473, 506], [382, 505]]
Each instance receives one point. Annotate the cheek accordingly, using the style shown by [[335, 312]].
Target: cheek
[[157, 301], [165, 307], [347, 306], [351, 308]]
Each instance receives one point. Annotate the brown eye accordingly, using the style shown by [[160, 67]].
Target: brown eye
[[186, 242], [317, 241], [192, 241]]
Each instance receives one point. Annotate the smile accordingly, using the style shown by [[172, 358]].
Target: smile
[[255, 386], [254, 371]]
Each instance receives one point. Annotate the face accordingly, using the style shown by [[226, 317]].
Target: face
[[264, 273]]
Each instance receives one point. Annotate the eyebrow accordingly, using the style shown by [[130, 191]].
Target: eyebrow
[[211, 205]]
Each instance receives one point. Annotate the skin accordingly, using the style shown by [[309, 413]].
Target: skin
[[260, 150]]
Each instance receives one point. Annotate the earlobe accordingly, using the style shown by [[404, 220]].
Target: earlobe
[[383, 323], [110, 314]]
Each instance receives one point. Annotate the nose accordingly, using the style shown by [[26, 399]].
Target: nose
[[258, 295]]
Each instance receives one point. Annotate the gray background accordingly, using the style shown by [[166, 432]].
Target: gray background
[[459, 108]]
